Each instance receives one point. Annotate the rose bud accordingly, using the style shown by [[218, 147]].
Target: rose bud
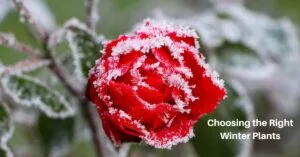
[[153, 85]]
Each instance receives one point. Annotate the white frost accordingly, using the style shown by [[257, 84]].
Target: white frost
[[36, 101], [169, 142]]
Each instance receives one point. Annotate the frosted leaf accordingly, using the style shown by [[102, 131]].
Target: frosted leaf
[[272, 39], [6, 131], [85, 47], [26, 65], [239, 56], [242, 62], [29, 91], [7, 39]]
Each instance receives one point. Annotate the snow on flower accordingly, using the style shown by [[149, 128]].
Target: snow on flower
[[151, 78]]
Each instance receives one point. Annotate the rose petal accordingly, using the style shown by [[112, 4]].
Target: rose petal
[[152, 96], [117, 133], [123, 96], [207, 92], [209, 95], [163, 55], [154, 117], [179, 131], [111, 44], [188, 40]]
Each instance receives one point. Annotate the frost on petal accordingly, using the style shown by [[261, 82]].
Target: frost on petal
[[178, 132], [271, 38], [148, 85], [29, 91], [120, 133]]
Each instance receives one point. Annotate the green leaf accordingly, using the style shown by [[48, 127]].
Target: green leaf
[[237, 55], [6, 130], [56, 134], [29, 92], [85, 47], [208, 142], [284, 41]]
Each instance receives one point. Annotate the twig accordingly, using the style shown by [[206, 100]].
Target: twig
[[85, 106], [62, 75], [10, 41], [92, 16], [26, 65], [27, 17]]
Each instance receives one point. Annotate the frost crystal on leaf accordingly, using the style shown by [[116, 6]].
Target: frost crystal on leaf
[[6, 129], [29, 91], [26, 65], [84, 45]]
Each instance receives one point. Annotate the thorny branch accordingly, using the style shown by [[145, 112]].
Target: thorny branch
[[55, 66], [92, 16]]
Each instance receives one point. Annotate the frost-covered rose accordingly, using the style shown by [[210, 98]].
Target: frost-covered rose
[[153, 85]]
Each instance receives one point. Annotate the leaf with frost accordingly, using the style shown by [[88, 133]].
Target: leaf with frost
[[85, 47], [56, 135], [208, 142], [241, 61], [26, 65], [29, 92], [238, 56], [6, 130], [272, 39], [283, 37]]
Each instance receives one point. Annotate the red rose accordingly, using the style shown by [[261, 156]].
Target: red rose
[[153, 85]]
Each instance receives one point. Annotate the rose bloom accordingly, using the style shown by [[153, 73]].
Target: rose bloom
[[153, 85]]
